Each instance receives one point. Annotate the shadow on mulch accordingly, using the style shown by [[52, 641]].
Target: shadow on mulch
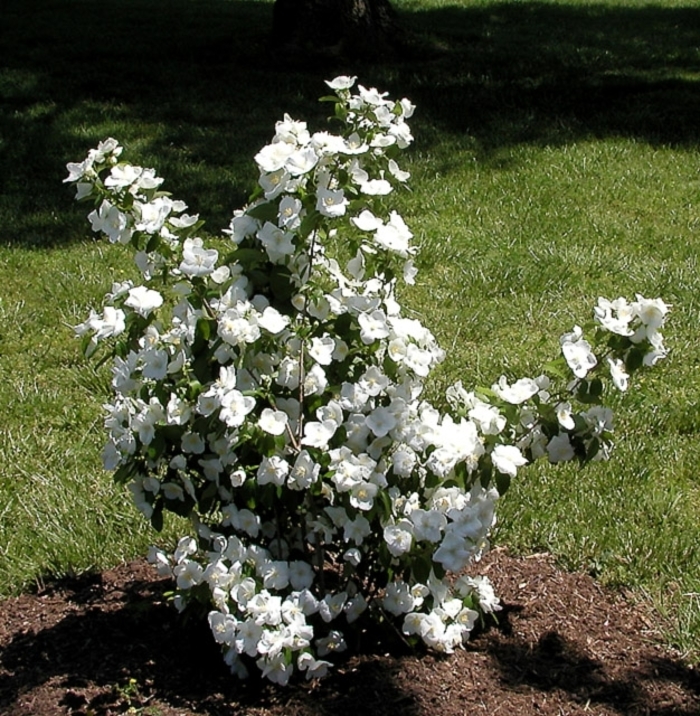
[[110, 644], [557, 663]]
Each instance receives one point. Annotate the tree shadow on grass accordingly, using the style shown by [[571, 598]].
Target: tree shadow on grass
[[195, 89]]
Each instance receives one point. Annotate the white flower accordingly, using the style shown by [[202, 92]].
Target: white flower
[[276, 669], [178, 411], [488, 601], [366, 221], [189, 574], [315, 668], [196, 260], [398, 598], [517, 393], [394, 236], [274, 183], [507, 459], [273, 469], [301, 575], [327, 144], [274, 156], [223, 627], [192, 443], [304, 472], [342, 82], [428, 524], [126, 175], [152, 215], [410, 272], [154, 363], [381, 421], [291, 131], [404, 461], [272, 320], [275, 574], [618, 373], [334, 642], [454, 552], [399, 537], [353, 556], [577, 352], [615, 316], [321, 349], [234, 408], [560, 449], [317, 434], [302, 161], [111, 222], [277, 242], [273, 422], [143, 300], [376, 187], [331, 606], [112, 323], [564, 416], [242, 225], [331, 202], [398, 173], [651, 312], [289, 213], [372, 96], [248, 636], [373, 326], [657, 353], [487, 417], [355, 531], [362, 496], [315, 380]]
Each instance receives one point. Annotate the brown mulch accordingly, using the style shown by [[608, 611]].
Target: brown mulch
[[109, 644]]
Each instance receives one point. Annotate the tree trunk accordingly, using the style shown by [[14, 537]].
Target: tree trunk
[[366, 29]]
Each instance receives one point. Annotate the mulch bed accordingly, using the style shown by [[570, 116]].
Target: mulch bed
[[108, 643]]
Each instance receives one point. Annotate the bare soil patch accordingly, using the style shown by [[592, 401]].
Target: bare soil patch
[[108, 644]]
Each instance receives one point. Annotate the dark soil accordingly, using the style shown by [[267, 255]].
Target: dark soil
[[109, 644]]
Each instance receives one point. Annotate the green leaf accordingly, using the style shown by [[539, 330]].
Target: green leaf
[[438, 570], [200, 367], [206, 501], [596, 388], [619, 343], [264, 212], [260, 279], [634, 360], [421, 568], [584, 393], [281, 283], [384, 503], [124, 473], [153, 243], [248, 258], [502, 482], [593, 449], [309, 223], [557, 368], [157, 517], [461, 475]]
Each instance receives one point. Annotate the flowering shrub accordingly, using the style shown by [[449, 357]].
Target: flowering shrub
[[273, 396]]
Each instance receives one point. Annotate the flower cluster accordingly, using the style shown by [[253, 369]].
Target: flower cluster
[[270, 390]]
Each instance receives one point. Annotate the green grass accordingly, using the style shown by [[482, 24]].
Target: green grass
[[556, 160]]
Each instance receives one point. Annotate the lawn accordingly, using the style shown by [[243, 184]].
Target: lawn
[[556, 160]]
